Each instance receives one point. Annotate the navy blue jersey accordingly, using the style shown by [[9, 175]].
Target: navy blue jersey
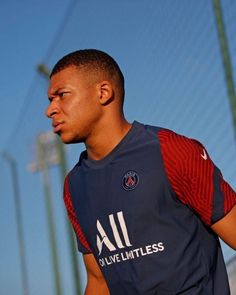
[[144, 212]]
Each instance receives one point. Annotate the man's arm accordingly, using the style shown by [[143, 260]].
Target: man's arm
[[96, 284], [225, 228]]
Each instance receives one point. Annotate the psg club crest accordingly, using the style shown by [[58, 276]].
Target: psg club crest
[[130, 180]]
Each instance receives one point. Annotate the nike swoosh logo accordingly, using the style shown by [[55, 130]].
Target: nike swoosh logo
[[204, 155]]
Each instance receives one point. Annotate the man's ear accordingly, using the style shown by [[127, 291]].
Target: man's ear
[[106, 92]]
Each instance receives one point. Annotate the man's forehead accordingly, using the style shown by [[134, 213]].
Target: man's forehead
[[71, 76], [63, 77], [65, 73]]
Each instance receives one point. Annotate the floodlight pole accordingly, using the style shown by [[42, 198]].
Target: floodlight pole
[[19, 222], [226, 58], [43, 166], [72, 244]]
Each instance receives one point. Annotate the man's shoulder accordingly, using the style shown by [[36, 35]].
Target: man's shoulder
[[173, 141], [165, 133]]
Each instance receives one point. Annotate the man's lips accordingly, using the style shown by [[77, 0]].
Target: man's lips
[[57, 126]]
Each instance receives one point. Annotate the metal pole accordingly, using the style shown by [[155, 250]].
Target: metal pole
[[226, 58], [50, 216], [76, 274], [19, 222]]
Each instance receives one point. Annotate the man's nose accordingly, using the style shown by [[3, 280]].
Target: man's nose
[[51, 110]]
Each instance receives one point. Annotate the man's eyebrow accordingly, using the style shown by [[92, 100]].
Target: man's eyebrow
[[55, 92]]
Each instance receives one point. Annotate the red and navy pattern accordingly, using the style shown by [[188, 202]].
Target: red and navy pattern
[[193, 177], [73, 218]]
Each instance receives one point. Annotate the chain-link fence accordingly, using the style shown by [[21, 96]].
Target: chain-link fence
[[170, 55]]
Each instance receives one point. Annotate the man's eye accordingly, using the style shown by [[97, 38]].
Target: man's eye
[[62, 94]]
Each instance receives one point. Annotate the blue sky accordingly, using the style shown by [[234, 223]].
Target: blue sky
[[170, 57]]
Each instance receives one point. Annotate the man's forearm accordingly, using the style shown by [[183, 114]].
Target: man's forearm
[[96, 288]]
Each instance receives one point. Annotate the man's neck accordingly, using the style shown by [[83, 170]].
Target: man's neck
[[107, 139]]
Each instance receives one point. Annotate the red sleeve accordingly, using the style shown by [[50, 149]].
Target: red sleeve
[[83, 245], [195, 179]]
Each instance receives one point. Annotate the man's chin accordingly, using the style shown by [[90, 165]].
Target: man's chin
[[69, 140]]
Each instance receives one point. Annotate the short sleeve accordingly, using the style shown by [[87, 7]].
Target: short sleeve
[[195, 179], [82, 243]]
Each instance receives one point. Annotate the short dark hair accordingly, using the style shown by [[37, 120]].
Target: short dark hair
[[91, 59]]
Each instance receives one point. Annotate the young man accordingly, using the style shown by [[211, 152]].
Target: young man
[[147, 205]]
